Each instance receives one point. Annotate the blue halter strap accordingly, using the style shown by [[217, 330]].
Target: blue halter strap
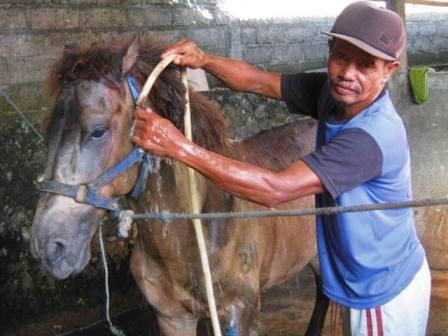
[[145, 167], [89, 193], [133, 88]]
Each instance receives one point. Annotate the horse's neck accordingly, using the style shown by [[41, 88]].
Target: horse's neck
[[168, 188], [188, 187]]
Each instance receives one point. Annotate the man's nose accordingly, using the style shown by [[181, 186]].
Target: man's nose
[[348, 71]]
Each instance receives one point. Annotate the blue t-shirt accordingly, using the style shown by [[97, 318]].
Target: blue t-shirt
[[366, 258]]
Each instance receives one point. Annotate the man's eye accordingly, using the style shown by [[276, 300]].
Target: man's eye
[[365, 64], [339, 57], [99, 133]]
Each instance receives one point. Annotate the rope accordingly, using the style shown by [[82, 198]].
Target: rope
[[152, 78], [22, 115], [112, 328], [167, 216], [195, 207]]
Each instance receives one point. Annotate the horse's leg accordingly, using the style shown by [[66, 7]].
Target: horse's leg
[[316, 323], [170, 326], [240, 316], [151, 280]]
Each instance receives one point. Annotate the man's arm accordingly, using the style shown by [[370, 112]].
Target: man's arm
[[260, 185], [236, 74]]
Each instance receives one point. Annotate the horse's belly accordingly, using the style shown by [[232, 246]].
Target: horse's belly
[[292, 246]]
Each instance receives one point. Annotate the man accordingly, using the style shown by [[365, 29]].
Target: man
[[372, 263]]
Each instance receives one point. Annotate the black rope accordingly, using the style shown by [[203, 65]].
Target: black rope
[[167, 216], [23, 116]]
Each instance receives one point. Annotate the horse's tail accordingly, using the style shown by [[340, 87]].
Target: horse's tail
[[316, 324]]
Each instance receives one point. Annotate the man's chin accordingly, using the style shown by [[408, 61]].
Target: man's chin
[[344, 99]]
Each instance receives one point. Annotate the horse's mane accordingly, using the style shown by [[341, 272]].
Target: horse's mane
[[104, 64]]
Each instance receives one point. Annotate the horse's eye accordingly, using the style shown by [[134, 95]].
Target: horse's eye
[[99, 133]]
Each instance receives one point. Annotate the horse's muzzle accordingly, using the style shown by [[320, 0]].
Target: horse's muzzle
[[57, 259], [56, 252], [61, 234], [52, 255]]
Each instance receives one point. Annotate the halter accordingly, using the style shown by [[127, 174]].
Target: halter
[[89, 193]]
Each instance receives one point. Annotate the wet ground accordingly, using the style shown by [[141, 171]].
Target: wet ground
[[285, 312]]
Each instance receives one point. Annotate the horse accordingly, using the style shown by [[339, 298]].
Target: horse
[[88, 133]]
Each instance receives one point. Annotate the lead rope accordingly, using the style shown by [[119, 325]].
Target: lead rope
[[112, 328], [192, 186]]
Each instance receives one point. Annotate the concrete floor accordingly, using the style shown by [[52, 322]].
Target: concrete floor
[[285, 311]]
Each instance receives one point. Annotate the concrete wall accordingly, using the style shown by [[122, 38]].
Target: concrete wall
[[32, 37], [427, 38], [33, 34], [427, 125]]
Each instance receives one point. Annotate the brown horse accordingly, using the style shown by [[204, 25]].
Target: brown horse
[[88, 133]]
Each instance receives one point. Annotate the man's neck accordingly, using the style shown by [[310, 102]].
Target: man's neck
[[346, 112]]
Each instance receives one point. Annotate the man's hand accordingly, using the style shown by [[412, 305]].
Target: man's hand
[[156, 134], [190, 55]]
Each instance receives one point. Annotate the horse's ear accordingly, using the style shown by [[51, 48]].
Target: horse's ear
[[130, 55], [70, 48]]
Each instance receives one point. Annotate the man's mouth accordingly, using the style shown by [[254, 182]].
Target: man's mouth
[[345, 88]]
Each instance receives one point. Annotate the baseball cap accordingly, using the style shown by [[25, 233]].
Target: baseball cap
[[378, 31]]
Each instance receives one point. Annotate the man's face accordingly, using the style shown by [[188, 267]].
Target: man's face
[[356, 77]]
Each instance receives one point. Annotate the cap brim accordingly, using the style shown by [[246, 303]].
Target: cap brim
[[363, 46]]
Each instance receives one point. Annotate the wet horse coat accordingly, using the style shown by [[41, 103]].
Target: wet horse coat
[[88, 133]]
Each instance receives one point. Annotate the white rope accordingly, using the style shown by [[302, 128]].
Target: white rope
[[152, 78], [112, 328], [197, 224]]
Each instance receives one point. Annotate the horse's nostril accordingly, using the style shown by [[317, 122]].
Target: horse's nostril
[[56, 252]]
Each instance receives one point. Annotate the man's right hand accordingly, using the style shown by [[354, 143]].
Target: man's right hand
[[236, 74], [189, 54]]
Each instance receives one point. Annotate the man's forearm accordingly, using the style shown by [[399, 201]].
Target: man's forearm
[[250, 182], [260, 185], [241, 76]]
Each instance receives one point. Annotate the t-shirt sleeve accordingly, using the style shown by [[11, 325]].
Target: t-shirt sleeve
[[351, 158], [301, 91]]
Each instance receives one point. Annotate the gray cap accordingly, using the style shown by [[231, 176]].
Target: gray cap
[[378, 31]]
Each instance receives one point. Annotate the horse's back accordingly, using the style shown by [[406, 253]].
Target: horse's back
[[284, 244], [278, 147]]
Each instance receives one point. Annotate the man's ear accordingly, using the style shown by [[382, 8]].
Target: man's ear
[[390, 68]]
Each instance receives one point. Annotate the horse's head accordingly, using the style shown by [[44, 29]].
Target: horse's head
[[88, 132]]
